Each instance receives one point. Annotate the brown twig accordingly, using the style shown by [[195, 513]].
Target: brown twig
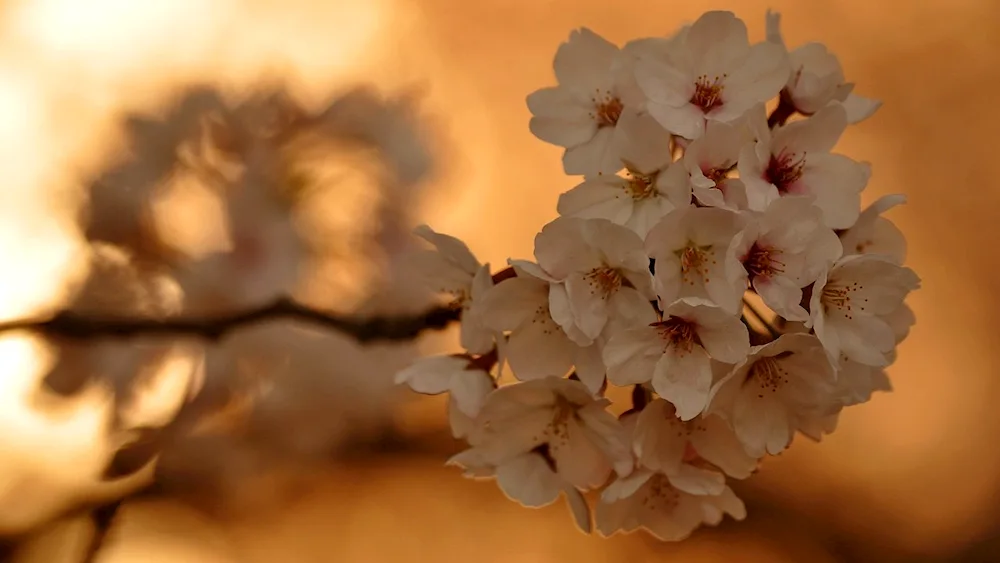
[[785, 109], [103, 517], [69, 324]]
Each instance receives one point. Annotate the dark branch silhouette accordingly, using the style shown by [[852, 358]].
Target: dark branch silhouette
[[69, 324]]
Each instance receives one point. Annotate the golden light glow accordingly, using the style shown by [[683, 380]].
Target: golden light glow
[[894, 469]]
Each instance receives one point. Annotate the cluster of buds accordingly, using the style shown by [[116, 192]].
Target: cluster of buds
[[714, 259]]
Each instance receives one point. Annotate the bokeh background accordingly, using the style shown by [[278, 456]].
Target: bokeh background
[[911, 476]]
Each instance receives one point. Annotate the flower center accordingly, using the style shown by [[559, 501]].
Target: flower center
[[640, 186], [768, 374], [660, 494], [604, 280], [544, 318], [557, 432], [717, 175], [679, 333], [607, 109], [696, 260], [708, 93], [761, 261], [784, 170], [837, 297]]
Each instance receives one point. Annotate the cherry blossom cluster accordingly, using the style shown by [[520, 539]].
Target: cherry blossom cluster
[[714, 259]]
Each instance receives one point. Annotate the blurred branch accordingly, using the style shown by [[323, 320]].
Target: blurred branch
[[103, 518], [74, 325]]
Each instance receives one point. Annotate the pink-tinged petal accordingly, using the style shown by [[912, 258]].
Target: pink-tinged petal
[[469, 391], [669, 235], [726, 503], [579, 508], [578, 460], [629, 309], [900, 320], [528, 480], [836, 182], [664, 84], [539, 349], [860, 108], [759, 192], [686, 120], [454, 250], [583, 63], [759, 79], [631, 355], [513, 302], [589, 366], [865, 339], [597, 198], [684, 378], [460, 423], [558, 104], [432, 376], [596, 156], [659, 440], [718, 42], [644, 144], [783, 297], [608, 434], [625, 487], [717, 443], [816, 134], [561, 249], [697, 481], [562, 314], [825, 248], [761, 424], [710, 226], [590, 309], [726, 340], [667, 282], [474, 336], [564, 132], [531, 270], [618, 246]]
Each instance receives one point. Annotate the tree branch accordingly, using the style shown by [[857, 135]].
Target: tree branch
[[69, 324], [103, 517], [784, 110]]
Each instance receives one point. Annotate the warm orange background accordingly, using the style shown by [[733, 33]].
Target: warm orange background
[[913, 475]]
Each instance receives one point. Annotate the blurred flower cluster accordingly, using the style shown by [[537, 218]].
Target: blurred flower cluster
[[714, 259], [221, 205]]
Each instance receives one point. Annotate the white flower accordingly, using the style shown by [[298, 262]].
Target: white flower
[[675, 353], [664, 443], [649, 500], [693, 250], [467, 386], [451, 269], [784, 249], [705, 169], [596, 108], [531, 480], [796, 160], [603, 270], [714, 74], [856, 382], [849, 302], [537, 346], [637, 201], [874, 234], [817, 78], [783, 386], [558, 416]]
